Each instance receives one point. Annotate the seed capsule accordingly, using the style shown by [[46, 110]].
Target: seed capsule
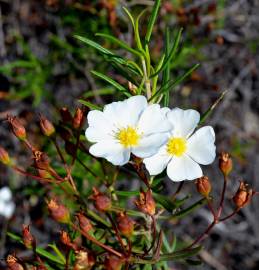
[[146, 203], [225, 163], [243, 195], [203, 186], [47, 127], [58, 211], [16, 127]]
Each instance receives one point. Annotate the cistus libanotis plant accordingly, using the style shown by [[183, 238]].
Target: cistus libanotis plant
[[138, 137]]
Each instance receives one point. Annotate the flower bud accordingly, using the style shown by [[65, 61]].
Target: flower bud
[[84, 260], [28, 239], [58, 211], [78, 118], [47, 127], [146, 203], [84, 223], [113, 263], [243, 195], [225, 163], [4, 156], [203, 186], [101, 201], [66, 115], [125, 224], [13, 264], [16, 127]]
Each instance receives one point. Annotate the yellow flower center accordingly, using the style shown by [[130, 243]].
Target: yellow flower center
[[176, 146], [128, 137]]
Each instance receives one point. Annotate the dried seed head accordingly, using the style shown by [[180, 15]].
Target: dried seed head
[[13, 264], [203, 186], [41, 160], [113, 263], [84, 223], [243, 195], [84, 260], [225, 163], [146, 203], [125, 224], [16, 127], [4, 156], [28, 239], [47, 127], [58, 211], [101, 201], [78, 118]]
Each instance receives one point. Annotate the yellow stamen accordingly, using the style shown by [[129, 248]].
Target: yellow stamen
[[128, 137], [176, 146]]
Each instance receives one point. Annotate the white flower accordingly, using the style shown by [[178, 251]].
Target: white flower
[[125, 127], [183, 152], [7, 206]]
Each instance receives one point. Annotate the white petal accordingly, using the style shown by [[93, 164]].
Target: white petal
[[183, 168], [5, 194], [112, 151], [9, 210], [184, 121], [149, 145], [158, 162], [99, 126], [119, 158], [153, 120], [127, 112], [201, 147], [95, 135]]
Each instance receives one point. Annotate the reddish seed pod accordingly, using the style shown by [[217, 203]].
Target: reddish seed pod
[[101, 201], [16, 127], [146, 203], [84, 223], [125, 224], [58, 211], [47, 127], [203, 186], [28, 239], [243, 195], [4, 156], [78, 118], [225, 163]]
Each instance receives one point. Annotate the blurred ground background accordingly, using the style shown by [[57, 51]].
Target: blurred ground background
[[43, 68]]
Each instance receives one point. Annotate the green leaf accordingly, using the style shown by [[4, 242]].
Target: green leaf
[[164, 201], [190, 209], [90, 105], [174, 256], [213, 106], [152, 20], [136, 32], [130, 16], [166, 72], [112, 82], [126, 193], [120, 43], [100, 92], [171, 53], [180, 255], [169, 85]]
